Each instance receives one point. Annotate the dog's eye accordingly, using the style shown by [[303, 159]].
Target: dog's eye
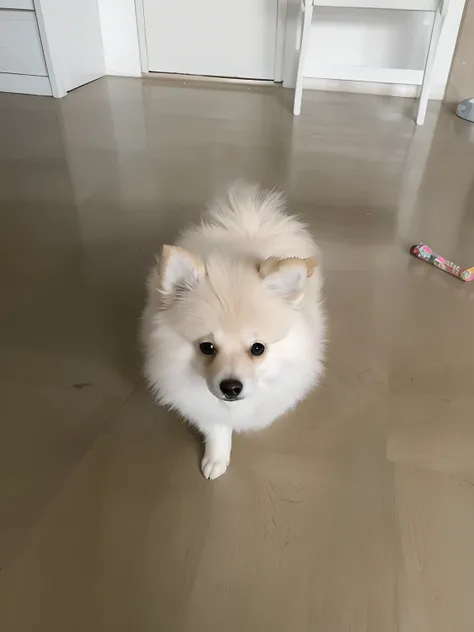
[[207, 348], [257, 349]]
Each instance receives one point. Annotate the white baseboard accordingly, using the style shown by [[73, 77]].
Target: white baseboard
[[116, 73], [362, 87], [25, 84], [396, 82], [366, 73]]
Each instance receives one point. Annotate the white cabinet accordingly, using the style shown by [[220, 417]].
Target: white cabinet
[[48, 47], [22, 62], [25, 5], [21, 50]]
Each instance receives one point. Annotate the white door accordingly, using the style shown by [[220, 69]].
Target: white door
[[223, 38]]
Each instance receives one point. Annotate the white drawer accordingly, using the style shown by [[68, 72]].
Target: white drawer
[[26, 5], [20, 44]]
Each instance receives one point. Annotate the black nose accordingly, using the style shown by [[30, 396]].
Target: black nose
[[231, 388]]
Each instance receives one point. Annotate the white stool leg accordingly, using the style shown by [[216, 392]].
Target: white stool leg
[[428, 73], [305, 35]]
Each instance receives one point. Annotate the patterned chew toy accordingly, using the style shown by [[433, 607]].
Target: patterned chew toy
[[425, 253]]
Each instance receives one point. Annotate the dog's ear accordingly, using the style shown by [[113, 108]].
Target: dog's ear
[[178, 268], [287, 277]]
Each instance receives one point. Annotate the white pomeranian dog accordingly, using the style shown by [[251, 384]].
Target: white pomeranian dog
[[233, 328]]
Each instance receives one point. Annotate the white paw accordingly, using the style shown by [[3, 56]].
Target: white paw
[[213, 468]]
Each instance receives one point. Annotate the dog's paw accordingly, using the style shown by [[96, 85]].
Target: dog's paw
[[213, 468]]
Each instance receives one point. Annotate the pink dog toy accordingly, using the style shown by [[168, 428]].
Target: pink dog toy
[[425, 253]]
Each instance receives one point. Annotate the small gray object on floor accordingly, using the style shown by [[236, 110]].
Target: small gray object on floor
[[465, 110]]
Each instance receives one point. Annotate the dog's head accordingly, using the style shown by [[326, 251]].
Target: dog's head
[[235, 318]]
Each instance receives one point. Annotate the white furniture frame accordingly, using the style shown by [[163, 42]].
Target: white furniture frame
[[438, 7]]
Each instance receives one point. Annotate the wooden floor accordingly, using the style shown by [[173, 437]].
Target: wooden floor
[[353, 514]]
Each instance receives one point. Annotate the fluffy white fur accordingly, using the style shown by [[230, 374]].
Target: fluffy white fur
[[249, 273]]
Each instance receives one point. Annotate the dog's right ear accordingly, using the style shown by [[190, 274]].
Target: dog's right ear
[[286, 278], [178, 268]]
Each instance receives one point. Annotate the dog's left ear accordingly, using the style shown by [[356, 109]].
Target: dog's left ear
[[179, 268], [287, 277]]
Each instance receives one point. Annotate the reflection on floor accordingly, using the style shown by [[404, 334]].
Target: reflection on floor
[[354, 513]]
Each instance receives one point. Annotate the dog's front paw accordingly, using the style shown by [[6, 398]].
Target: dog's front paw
[[213, 468]]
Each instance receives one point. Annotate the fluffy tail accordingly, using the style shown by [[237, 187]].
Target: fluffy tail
[[246, 208]]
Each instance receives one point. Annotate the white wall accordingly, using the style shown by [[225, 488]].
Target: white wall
[[348, 42], [120, 37], [72, 42]]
